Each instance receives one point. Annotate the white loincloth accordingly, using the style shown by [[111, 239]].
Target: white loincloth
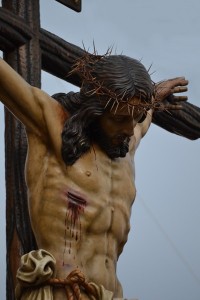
[[37, 267]]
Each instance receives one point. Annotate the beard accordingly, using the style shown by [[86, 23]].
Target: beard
[[113, 150]]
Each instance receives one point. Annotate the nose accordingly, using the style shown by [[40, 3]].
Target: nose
[[128, 129]]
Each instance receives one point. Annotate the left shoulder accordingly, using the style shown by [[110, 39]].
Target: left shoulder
[[139, 132]]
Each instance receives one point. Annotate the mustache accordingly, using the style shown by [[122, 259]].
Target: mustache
[[122, 138]]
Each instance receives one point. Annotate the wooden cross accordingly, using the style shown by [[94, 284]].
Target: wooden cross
[[28, 49]]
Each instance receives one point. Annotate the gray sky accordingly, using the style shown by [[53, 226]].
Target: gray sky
[[161, 258]]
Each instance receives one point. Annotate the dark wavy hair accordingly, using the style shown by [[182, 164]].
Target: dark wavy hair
[[118, 73]]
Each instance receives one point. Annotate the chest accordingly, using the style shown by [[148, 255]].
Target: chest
[[110, 190], [99, 174]]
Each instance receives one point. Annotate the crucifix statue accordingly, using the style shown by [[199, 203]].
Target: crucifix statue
[[68, 217]]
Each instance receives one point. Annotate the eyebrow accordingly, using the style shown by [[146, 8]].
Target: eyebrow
[[121, 115]]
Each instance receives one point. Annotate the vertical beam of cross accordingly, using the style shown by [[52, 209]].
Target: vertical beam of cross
[[26, 61]]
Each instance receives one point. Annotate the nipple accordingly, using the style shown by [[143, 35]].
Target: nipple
[[88, 173]]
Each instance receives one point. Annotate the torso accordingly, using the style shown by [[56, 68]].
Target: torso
[[79, 213]]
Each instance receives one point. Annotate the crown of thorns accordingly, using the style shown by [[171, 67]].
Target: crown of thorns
[[85, 68]]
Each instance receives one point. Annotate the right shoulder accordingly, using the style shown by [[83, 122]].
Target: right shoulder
[[54, 114]]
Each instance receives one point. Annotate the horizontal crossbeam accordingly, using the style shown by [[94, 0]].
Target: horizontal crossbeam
[[58, 56], [13, 31], [73, 4]]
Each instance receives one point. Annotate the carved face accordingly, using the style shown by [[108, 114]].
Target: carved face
[[116, 127], [119, 123]]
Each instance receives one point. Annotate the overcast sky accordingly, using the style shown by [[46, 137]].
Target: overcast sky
[[161, 258]]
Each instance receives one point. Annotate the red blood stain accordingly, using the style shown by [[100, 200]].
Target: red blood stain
[[76, 206]]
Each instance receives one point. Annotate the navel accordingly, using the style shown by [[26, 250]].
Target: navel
[[106, 263]]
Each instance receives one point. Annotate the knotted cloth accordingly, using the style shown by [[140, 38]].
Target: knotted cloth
[[36, 279]]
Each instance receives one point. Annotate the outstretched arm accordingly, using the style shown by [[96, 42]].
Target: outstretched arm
[[164, 90], [27, 103], [178, 115]]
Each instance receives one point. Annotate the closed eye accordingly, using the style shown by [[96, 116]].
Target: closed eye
[[119, 118]]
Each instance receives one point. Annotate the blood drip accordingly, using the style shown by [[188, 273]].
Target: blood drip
[[76, 206]]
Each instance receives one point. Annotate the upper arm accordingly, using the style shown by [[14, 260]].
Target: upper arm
[[27, 103]]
